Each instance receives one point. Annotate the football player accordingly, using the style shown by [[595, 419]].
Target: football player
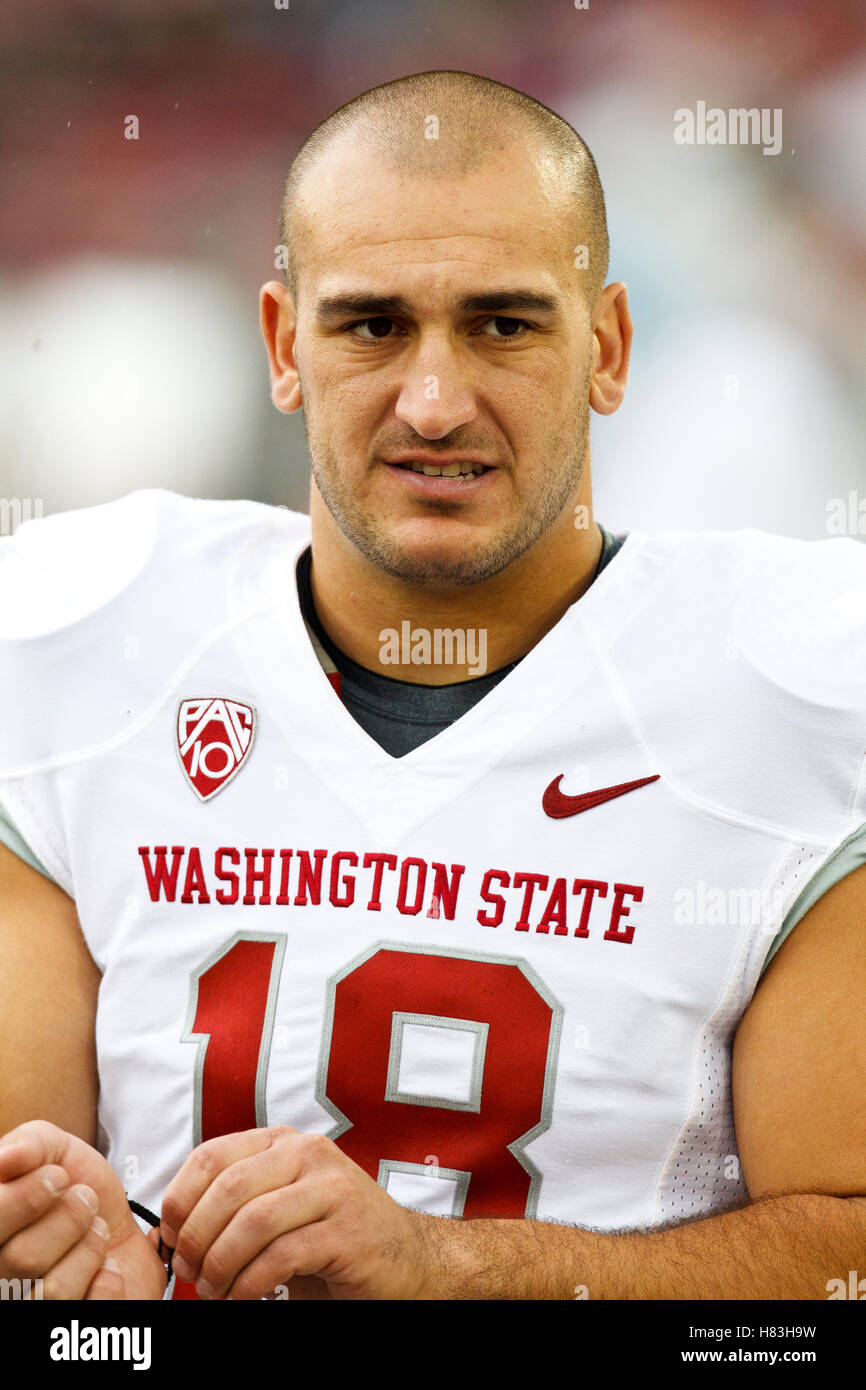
[[435, 897]]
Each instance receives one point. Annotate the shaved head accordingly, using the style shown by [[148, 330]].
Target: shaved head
[[473, 118]]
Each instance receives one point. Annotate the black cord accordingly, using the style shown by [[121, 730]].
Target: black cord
[[142, 1211]]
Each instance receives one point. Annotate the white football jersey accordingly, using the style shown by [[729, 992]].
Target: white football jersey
[[504, 971]]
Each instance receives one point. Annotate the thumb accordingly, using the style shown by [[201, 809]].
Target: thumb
[[107, 1284]]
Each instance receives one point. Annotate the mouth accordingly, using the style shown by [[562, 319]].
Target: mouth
[[461, 470]]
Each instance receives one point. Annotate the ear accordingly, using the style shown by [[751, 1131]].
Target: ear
[[277, 318], [611, 347]]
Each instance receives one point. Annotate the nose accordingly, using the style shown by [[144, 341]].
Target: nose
[[434, 400]]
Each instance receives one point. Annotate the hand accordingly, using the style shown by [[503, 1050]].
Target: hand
[[268, 1207], [64, 1219]]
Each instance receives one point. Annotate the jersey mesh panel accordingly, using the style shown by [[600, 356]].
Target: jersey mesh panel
[[694, 1181]]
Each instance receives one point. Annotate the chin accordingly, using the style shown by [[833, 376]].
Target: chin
[[437, 566]]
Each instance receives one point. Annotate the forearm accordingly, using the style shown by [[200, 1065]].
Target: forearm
[[784, 1247]]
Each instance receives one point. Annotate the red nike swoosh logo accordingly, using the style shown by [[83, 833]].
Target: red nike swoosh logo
[[557, 805]]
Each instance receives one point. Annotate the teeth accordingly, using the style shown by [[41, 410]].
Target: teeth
[[448, 470]]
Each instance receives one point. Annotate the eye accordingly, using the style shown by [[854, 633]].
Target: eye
[[378, 327], [511, 328]]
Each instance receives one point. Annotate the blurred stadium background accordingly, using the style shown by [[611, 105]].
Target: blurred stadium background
[[129, 269]]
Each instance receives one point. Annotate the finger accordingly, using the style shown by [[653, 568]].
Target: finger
[[231, 1190], [72, 1275], [294, 1261], [203, 1165], [39, 1246], [24, 1200], [29, 1146], [108, 1283], [255, 1227]]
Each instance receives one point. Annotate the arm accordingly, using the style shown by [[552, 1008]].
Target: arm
[[48, 990], [781, 1248], [249, 1212]]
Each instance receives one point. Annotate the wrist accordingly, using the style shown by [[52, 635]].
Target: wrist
[[446, 1264]]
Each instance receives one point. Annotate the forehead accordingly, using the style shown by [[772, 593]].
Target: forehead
[[357, 214]]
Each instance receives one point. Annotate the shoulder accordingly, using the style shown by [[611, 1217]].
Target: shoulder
[[794, 609], [749, 554], [744, 656], [60, 570], [798, 614], [100, 608]]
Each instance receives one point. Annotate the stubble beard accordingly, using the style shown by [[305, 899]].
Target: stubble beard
[[471, 566]]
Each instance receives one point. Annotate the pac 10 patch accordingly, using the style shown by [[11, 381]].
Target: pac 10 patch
[[214, 737]]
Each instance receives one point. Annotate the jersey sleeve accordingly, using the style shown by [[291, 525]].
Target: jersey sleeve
[[12, 838], [850, 855]]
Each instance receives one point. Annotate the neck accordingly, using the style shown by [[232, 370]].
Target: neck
[[366, 611]]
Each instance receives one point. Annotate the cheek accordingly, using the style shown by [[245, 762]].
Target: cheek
[[531, 409], [344, 400]]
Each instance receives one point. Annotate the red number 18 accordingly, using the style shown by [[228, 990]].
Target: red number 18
[[476, 1139]]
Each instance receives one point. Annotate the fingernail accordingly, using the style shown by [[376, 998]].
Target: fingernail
[[169, 1234], [100, 1227], [55, 1181], [87, 1197], [182, 1269], [203, 1289], [111, 1265]]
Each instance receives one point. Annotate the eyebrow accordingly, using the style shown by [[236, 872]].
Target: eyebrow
[[340, 306]]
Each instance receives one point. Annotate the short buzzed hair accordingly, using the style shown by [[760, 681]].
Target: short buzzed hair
[[476, 116]]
